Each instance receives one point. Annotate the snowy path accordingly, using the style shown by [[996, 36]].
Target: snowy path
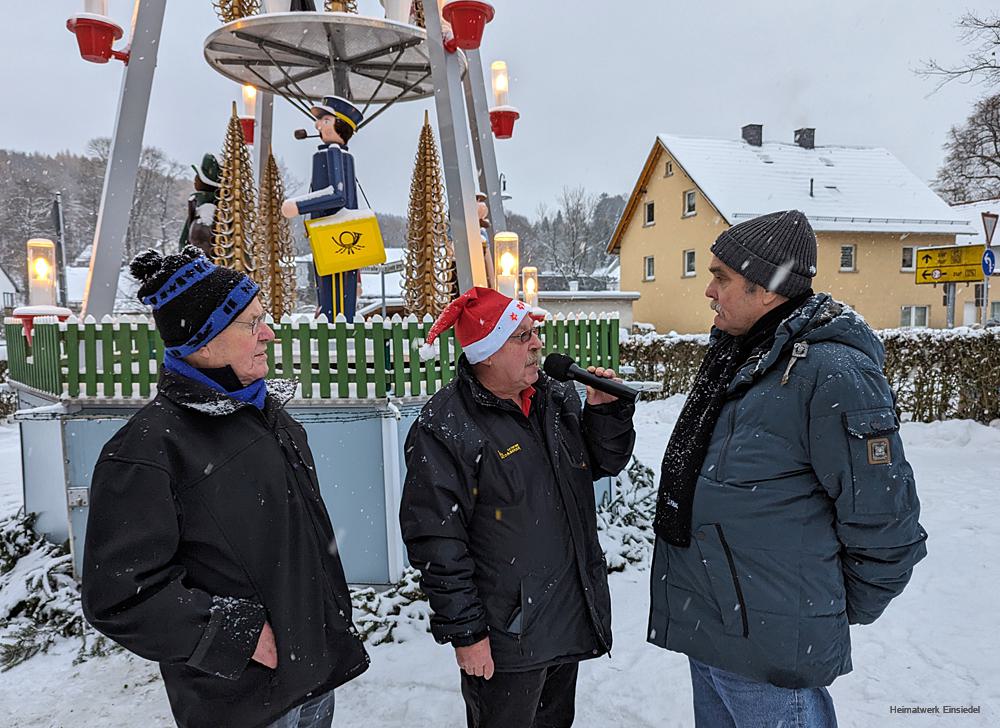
[[938, 644]]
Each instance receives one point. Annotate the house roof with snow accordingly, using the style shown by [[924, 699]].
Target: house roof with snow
[[973, 212], [839, 188]]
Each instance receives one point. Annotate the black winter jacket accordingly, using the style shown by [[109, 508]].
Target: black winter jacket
[[498, 514], [205, 521]]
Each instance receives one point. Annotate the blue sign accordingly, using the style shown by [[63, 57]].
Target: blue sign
[[989, 262]]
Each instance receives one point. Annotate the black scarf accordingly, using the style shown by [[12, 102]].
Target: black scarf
[[692, 434]]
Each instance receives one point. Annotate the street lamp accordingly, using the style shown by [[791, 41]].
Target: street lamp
[[502, 115], [529, 279], [41, 272], [505, 251], [95, 32]]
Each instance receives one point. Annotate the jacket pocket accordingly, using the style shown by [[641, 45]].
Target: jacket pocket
[[881, 478], [720, 566]]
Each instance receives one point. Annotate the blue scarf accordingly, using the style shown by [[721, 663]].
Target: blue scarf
[[254, 393]]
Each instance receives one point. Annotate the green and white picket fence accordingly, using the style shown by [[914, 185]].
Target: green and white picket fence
[[118, 358]]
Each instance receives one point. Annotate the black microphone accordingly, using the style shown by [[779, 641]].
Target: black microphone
[[303, 134], [561, 368]]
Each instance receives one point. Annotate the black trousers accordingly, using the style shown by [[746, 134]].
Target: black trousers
[[543, 698]]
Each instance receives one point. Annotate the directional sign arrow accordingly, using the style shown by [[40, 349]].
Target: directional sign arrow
[[926, 274], [928, 258]]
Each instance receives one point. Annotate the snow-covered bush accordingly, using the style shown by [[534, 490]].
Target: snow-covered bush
[[625, 524], [396, 614], [39, 599]]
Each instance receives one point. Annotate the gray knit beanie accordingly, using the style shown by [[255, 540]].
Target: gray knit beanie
[[777, 251]]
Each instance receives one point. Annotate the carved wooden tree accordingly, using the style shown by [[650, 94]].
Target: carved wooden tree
[[230, 10], [417, 13], [429, 273], [273, 244], [236, 208], [341, 6]]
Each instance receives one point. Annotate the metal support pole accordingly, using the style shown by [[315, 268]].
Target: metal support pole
[[61, 252], [123, 160], [477, 103], [264, 121], [986, 299], [458, 173], [949, 298]]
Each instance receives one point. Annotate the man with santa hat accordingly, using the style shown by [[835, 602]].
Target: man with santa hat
[[498, 514]]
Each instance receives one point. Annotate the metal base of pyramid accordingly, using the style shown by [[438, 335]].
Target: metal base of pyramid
[[304, 56]]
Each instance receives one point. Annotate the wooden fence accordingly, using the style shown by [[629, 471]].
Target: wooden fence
[[364, 359]]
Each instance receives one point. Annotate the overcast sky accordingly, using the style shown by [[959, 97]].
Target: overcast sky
[[595, 81]]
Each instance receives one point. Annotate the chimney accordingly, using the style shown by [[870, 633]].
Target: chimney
[[806, 138], [753, 134]]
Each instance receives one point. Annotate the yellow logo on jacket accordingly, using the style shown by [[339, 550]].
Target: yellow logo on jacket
[[504, 454]]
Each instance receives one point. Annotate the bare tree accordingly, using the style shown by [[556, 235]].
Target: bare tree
[[982, 35], [568, 242], [971, 169]]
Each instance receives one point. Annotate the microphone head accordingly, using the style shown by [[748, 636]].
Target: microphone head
[[557, 366], [300, 134]]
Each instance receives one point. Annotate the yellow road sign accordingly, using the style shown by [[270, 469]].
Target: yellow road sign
[[950, 264]]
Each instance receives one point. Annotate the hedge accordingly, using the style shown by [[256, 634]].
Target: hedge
[[937, 374]]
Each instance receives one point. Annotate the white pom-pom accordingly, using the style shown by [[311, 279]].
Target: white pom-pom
[[428, 352]]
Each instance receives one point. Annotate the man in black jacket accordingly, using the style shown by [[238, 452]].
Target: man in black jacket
[[498, 514], [208, 548]]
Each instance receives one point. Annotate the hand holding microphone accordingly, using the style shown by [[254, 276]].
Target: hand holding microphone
[[561, 368]]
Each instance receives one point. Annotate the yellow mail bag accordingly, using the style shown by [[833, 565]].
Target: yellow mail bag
[[346, 240]]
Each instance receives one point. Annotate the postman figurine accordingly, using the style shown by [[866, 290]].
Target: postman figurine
[[333, 188]]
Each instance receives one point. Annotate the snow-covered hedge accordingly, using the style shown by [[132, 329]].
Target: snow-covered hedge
[[937, 374], [39, 599]]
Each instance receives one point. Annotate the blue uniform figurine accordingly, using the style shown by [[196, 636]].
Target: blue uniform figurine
[[332, 189]]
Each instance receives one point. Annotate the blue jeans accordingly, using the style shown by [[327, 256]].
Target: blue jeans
[[726, 700], [315, 713]]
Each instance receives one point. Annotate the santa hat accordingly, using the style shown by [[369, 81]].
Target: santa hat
[[483, 319]]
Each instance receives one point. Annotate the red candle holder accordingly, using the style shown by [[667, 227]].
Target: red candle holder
[[95, 35], [502, 120], [247, 123], [468, 18]]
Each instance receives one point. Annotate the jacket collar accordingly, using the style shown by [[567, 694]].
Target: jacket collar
[[482, 396], [196, 396]]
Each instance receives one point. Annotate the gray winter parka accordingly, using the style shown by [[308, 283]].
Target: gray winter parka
[[805, 511]]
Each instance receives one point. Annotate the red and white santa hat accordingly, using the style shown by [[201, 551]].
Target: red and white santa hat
[[483, 319]]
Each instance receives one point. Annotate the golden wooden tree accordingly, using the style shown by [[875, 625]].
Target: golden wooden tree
[[430, 256], [236, 207], [341, 6], [230, 10], [417, 13], [273, 244]]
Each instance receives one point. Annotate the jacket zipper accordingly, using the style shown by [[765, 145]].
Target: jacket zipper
[[736, 581]]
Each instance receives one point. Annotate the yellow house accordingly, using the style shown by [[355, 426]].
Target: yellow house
[[870, 214]]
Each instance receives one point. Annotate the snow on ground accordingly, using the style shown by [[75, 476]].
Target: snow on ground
[[937, 644]]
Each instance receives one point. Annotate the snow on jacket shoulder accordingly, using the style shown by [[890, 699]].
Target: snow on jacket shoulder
[[205, 522], [805, 512]]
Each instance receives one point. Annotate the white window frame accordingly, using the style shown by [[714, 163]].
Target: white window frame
[[668, 169], [692, 196], [649, 268], [689, 271], [854, 259], [994, 311], [908, 317], [649, 219], [913, 259]]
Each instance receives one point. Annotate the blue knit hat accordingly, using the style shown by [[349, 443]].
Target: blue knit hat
[[193, 299]]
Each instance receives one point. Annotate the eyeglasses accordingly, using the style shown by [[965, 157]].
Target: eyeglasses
[[525, 336], [253, 323]]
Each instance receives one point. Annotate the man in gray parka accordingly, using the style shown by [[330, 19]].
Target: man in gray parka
[[786, 508]]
